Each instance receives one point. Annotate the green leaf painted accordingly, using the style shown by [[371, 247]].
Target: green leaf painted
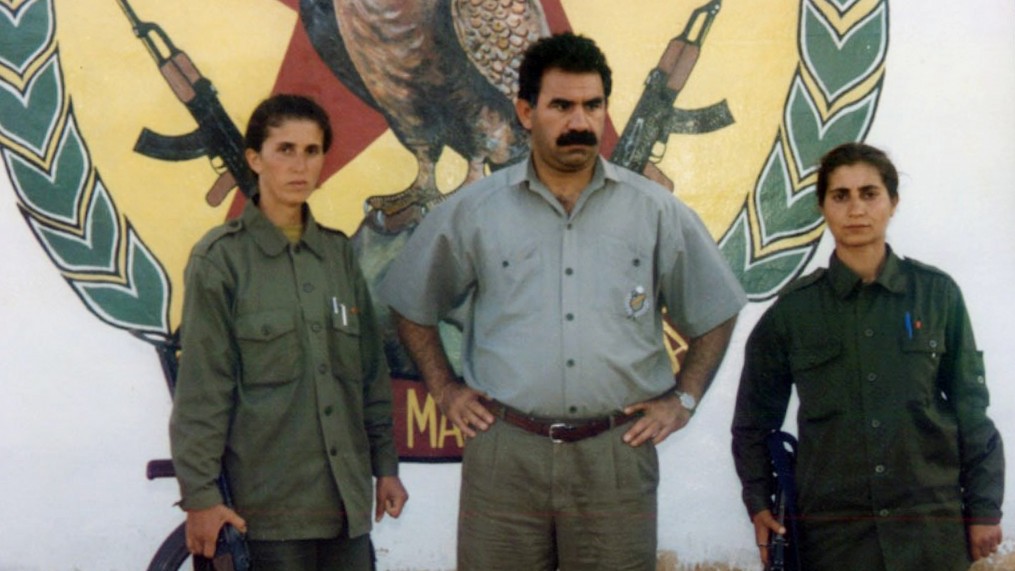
[[841, 63], [810, 137], [24, 34], [143, 303], [56, 194], [763, 277], [95, 252], [782, 212], [30, 118]]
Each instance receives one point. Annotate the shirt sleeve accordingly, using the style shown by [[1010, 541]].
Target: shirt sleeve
[[377, 399], [204, 397], [699, 289], [981, 451], [762, 399], [433, 273]]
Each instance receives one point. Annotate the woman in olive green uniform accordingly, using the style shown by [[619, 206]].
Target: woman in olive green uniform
[[899, 467], [282, 378]]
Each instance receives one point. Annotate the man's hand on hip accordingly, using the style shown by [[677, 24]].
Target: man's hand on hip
[[463, 407], [661, 417]]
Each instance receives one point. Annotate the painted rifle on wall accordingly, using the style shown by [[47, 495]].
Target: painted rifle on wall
[[216, 136], [655, 118]]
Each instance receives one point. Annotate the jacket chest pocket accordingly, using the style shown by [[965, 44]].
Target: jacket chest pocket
[[921, 357], [344, 336], [269, 347], [817, 375]]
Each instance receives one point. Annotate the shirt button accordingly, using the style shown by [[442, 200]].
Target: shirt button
[[505, 264], [933, 344], [883, 513], [570, 317], [570, 362], [980, 379], [327, 410], [322, 368], [636, 262], [333, 451], [308, 287], [316, 327], [872, 377], [880, 469], [569, 226], [266, 330], [568, 271], [868, 333], [875, 423], [572, 409]]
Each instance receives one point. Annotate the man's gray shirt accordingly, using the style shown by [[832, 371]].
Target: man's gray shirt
[[562, 311]]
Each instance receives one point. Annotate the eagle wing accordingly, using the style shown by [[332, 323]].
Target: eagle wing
[[495, 34]]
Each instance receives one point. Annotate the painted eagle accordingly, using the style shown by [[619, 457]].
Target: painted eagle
[[443, 73]]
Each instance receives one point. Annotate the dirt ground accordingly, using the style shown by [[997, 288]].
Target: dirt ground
[[668, 561]]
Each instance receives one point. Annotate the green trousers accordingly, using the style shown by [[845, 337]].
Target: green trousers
[[529, 503]]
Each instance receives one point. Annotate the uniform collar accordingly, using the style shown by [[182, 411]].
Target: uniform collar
[[604, 170], [844, 281], [271, 240]]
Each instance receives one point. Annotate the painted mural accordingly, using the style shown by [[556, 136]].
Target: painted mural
[[124, 147], [120, 122]]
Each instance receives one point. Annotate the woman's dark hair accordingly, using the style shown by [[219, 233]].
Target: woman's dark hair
[[851, 154], [566, 52], [276, 109]]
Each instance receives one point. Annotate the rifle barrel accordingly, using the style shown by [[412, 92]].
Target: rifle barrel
[[700, 23]]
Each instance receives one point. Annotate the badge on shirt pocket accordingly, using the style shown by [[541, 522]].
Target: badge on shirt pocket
[[637, 303]]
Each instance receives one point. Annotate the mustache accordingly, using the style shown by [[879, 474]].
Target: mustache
[[587, 138]]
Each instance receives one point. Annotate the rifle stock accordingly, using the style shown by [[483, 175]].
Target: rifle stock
[[231, 552], [783, 549]]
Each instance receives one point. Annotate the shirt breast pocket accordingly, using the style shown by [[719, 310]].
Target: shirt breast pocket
[[820, 389], [624, 283], [346, 357], [921, 358], [269, 347]]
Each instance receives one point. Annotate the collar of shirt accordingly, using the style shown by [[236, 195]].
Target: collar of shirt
[[271, 240], [604, 171], [844, 281]]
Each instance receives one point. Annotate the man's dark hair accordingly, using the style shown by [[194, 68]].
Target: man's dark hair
[[851, 154], [276, 109], [567, 52]]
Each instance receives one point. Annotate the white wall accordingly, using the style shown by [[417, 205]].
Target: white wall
[[83, 407]]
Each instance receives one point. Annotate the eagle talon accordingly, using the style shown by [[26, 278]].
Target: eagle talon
[[396, 222]]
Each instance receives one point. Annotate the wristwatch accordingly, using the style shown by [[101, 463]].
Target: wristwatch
[[687, 401]]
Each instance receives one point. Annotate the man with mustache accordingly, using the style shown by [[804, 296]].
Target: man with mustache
[[559, 269]]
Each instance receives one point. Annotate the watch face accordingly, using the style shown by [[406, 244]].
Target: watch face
[[687, 401]]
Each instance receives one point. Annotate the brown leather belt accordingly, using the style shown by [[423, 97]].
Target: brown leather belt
[[569, 430]]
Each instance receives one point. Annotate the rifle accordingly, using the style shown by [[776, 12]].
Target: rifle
[[216, 135], [655, 117], [231, 552], [782, 549]]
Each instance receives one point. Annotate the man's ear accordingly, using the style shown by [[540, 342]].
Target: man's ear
[[524, 111]]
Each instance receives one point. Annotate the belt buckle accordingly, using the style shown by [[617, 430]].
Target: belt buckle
[[558, 426]]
